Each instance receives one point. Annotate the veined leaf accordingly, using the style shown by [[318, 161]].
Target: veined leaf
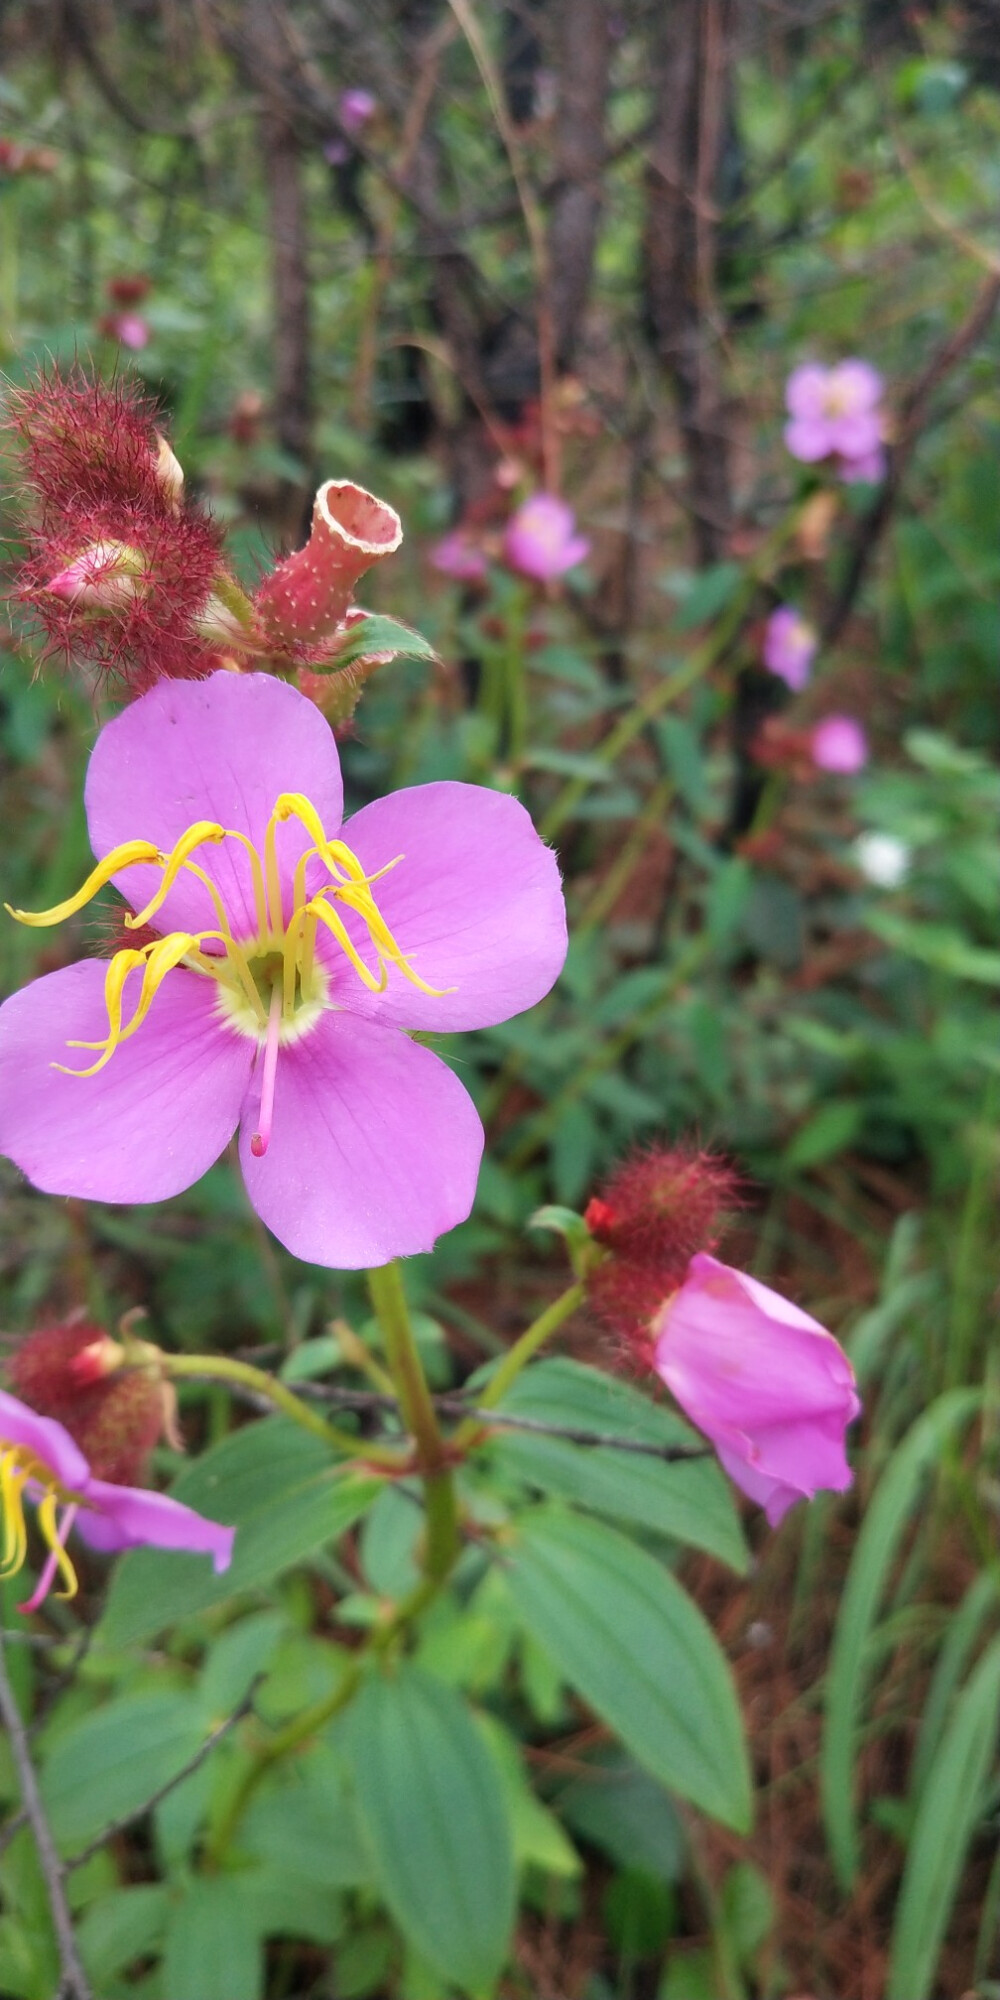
[[433, 1807], [373, 635], [628, 1638], [282, 1492]]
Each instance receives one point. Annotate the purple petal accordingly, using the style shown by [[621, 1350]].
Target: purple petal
[[474, 904], [128, 1517], [856, 434], [221, 749], [46, 1439], [808, 438], [857, 384], [374, 1151], [805, 390], [146, 1126]]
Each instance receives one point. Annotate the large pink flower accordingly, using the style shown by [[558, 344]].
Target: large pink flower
[[275, 966], [39, 1460], [766, 1383]]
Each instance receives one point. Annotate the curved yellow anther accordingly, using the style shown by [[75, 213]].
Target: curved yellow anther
[[202, 833], [317, 908], [13, 1478], [126, 856], [156, 960]]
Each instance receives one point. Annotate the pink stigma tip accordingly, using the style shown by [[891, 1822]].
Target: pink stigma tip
[[258, 1146]]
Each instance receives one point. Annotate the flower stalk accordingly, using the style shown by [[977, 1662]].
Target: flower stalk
[[225, 1368], [385, 1285]]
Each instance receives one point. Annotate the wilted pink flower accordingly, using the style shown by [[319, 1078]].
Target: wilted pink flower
[[789, 646], [541, 539], [763, 1380], [458, 556], [355, 108], [274, 969], [839, 743], [834, 412], [40, 1461]]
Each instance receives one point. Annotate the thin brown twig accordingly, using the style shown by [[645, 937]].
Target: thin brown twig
[[73, 1981], [163, 1791]]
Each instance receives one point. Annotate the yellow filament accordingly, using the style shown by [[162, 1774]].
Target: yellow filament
[[126, 856], [317, 908], [259, 892], [50, 1533]]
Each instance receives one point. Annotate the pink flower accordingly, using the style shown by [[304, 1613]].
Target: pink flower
[[834, 412], [274, 969], [541, 539], [38, 1458], [789, 646], [839, 743], [871, 466], [356, 107], [132, 330], [457, 555], [766, 1383]]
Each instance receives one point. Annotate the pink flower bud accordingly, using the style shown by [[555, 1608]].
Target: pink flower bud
[[169, 475], [457, 555], [764, 1381], [305, 598], [789, 646], [355, 108], [108, 576]]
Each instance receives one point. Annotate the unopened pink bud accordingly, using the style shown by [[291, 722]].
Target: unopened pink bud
[[305, 598], [169, 475], [106, 577]]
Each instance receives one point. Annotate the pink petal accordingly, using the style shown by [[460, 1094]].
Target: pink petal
[[374, 1151], [221, 749], [46, 1438], [128, 1517], [475, 904], [805, 390], [858, 383], [808, 438], [857, 434], [146, 1126]]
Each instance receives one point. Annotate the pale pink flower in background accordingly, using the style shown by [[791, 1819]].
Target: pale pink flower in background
[[870, 467], [771, 1389], [277, 977], [356, 107], [790, 645], [41, 1462], [839, 743], [835, 413], [457, 555], [133, 330], [542, 540]]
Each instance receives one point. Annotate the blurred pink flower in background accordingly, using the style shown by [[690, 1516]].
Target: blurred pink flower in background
[[835, 413], [789, 646], [839, 743], [763, 1380], [542, 540], [355, 109], [458, 556], [129, 328]]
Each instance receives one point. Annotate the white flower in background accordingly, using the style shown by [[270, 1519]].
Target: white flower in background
[[882, 858]]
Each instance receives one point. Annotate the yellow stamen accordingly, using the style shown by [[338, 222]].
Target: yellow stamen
[[127, 855], [13, 1478], [18, 1465], [50, 1532], [198, 835]]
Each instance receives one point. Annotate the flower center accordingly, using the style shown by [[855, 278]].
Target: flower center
[[18, 1467], [269, 986]]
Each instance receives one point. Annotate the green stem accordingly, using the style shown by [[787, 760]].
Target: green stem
[[518, 1356], [223, 1368], [420, 1417]]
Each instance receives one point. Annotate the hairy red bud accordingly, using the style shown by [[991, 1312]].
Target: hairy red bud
[[72, 1372], [657, 1210]]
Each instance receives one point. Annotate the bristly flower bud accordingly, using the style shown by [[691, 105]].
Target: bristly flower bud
[[657, 1210], [73, 1372], [119, 565]]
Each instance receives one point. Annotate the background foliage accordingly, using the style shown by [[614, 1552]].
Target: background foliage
[[826, 186]]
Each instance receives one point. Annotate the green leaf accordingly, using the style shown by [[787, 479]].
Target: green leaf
[[122, 1926], [629, 1639], [690, 1502], [370, 636], [309, 1824], [825, 1134], [433, 1807], [851, 1652], [212, 1947], [284, 1495], [625, 1813], [110, 1762], [950, 1810]]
